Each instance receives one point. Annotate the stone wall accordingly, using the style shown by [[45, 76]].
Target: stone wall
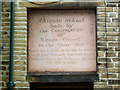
[[20, 46], [108, 36], [107, 42]]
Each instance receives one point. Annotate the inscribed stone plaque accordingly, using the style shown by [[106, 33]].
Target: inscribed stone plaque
[[62, 40]]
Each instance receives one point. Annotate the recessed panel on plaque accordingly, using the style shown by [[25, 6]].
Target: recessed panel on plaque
[[62, 41]]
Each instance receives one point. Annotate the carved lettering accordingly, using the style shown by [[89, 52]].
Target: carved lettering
[[62, 40]]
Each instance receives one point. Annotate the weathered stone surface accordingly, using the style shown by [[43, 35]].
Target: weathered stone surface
[[107, 41]]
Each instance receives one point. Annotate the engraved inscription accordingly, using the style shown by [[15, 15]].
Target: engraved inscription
[[62, 40]]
